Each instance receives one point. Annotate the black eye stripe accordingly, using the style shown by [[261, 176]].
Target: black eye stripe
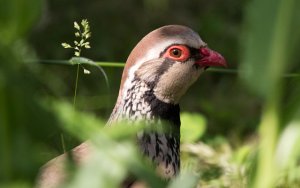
[[195, 54], [194, 51]]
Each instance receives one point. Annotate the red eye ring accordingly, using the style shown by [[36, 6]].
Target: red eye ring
[[177, 53]]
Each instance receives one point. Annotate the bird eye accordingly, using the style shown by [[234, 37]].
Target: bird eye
[[177, 53]]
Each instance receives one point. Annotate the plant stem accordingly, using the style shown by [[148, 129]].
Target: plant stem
[[76, 86], [63, 142], [268, 131], [267, 170]]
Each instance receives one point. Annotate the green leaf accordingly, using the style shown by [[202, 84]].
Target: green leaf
[[76, 26], [77, 34], [81, 60], [186, 180], [88, 35], [17, 17], [81, 42], [73, 121], [266, 57], [288, 150], [192, 127], [84, 22], [86, 45], [76, 53], [66, 45], [85, 71], [267, 41]]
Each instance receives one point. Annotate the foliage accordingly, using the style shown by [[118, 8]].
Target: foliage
[[83, 33], [263, 65], [192, 127]]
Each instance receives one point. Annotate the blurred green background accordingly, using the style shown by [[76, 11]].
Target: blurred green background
[[247, 116], [116, 28]]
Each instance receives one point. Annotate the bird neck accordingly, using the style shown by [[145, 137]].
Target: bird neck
[[138, 102]]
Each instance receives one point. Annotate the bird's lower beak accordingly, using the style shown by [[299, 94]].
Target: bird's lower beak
[[211, 58]]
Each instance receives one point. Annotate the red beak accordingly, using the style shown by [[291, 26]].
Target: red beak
[[211, 58]]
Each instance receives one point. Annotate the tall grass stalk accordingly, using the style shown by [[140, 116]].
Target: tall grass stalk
[[276, 56], [76, 86], [122, 64]]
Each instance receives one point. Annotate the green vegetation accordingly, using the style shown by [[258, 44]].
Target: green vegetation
[[83, 33], [240, 127]]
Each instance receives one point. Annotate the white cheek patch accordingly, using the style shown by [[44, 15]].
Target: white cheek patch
[[176, 81], [153, 53]]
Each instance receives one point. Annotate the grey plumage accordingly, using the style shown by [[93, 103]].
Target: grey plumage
[[140, 103]]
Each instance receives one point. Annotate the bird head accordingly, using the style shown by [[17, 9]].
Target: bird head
[[169, 60]]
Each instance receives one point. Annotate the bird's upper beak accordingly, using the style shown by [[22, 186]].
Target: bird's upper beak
[[210, 58]]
